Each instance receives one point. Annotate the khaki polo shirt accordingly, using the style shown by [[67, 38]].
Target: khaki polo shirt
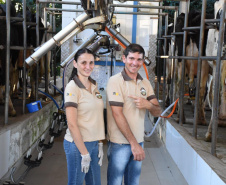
[[90, 108], [119, 87]]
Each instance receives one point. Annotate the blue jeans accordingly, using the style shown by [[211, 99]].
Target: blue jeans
[[75, 175], [121, 163]]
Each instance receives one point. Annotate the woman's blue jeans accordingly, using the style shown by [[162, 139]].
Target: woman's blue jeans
[[75, 175], [121, 163]]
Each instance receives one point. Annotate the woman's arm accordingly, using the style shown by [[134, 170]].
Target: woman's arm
[[71, 113]]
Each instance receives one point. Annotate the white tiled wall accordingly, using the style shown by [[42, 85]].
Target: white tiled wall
[[194, 169], [4, 152]]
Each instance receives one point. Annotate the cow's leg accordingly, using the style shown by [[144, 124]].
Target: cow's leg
[[178, 87], [204, 77], [168, 80], [13, 81], [2, 101], [222, 108], [12, 111], [209, 131]]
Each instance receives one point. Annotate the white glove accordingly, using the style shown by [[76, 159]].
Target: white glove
[[85, 163], [101, 153]]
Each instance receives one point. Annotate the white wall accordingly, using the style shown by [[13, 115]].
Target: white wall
[[194, 169], [4, 152]]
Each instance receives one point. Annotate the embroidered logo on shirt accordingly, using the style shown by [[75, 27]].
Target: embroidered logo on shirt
[[70, 94], [116, 94], [143, 91], [98, 95]]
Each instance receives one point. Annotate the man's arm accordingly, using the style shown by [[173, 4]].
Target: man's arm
[[152, 105], [137, 150]]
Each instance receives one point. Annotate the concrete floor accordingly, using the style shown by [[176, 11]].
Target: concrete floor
[[158, 167]]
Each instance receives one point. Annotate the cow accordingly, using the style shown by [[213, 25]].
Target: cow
[[192, 46], [16, 39], [13, 53], [169, 74], [211, 50]]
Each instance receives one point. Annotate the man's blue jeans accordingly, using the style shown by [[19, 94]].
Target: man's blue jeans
[[75, 175], [121, 163]]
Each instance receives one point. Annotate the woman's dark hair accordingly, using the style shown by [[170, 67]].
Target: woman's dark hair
[[77, 55]]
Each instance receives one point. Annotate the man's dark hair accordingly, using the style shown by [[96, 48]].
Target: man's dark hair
[[133, 48]]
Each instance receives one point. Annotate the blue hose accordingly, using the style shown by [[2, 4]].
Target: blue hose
[[50, 98], [57, 89]]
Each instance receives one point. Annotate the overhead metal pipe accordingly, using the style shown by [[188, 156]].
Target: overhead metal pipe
[[63, 10], [141, 0], [59, 2], [148, 0], [115, 33], [7, 60], [83, 45], [12, 18], [144, 6], [197, 28], [141, 13], [195, 58], [102, 41], [56, 39], [124, 41], [212, 20]]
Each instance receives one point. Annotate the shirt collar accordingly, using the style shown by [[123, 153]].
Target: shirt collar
[[79, 83], [127, 78]]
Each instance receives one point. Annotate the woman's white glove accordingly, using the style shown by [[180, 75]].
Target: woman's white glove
[[85, 163], [101, 153]]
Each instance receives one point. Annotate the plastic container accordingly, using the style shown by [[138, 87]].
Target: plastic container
[[33, 107]]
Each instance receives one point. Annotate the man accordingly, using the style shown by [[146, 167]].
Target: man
[[128, 97]]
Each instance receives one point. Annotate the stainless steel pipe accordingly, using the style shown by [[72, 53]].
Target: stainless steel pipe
[[83, 45], [145, 6], [56, 39]]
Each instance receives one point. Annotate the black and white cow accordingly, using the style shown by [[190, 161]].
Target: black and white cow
[[16, 39], [14, 35], [192, 45], [211, 50]]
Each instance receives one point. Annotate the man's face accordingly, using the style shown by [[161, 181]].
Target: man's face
[[133, 62]]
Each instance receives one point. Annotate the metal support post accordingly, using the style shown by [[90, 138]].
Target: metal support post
[[173, 72], [181, 96], [7, 60], [158, 52], [46, 56], [201, 43], [164, 63], [37, 44], [217, 83]]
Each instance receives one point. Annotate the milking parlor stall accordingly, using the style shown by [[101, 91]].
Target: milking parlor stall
[[184, 43]]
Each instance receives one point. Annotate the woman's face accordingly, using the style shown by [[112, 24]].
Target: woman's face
[[84, 64]]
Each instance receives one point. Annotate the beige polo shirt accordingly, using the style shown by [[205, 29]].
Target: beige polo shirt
[[119, 87], [90, 108]]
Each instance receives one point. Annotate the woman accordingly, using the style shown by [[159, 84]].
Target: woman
[[84, 110]]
